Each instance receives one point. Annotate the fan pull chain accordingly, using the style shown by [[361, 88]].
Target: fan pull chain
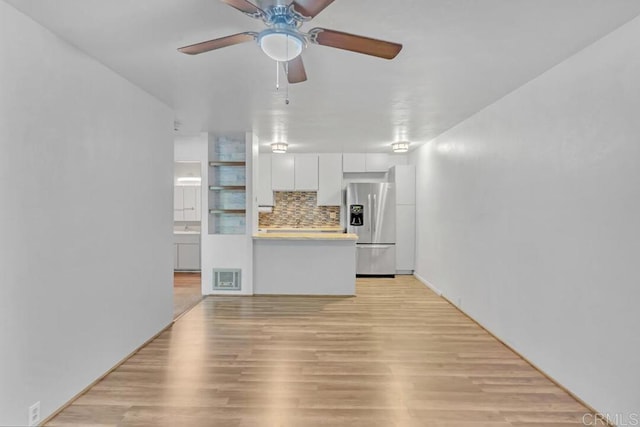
[[286, 69], [286, 99], [277, 76]]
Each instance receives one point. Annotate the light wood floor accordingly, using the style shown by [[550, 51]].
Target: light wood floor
[[395, 355], [187, 292]]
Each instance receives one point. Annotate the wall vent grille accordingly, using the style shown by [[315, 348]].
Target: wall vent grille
[[226, 279]]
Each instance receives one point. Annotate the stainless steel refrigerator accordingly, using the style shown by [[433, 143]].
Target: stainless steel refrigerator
[[371, 214]]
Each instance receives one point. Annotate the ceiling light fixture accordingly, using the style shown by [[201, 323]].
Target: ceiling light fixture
[[400, 147], [279, 147], [190, 179], [280, 45]]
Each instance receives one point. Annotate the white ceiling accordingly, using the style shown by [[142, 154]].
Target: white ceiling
[[459, 56]]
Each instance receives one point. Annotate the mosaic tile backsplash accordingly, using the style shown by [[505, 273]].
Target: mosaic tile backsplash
[[299, 209]]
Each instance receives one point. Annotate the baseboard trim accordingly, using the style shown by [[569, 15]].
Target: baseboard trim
[[533, 365], [429, 285], [188, 309], [404, 272], [116, 366], [343, 296], [418, 277]]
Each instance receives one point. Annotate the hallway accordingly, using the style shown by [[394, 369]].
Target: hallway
[[395, 355], [187, 292]]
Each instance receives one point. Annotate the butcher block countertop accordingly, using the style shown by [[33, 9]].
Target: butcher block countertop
[[304, 236], [336, 229]]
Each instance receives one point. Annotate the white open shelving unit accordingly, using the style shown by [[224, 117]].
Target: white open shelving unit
[[227, 185]]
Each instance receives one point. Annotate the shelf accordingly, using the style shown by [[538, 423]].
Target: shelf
[[227, 187], [227, 211], [217, 163]]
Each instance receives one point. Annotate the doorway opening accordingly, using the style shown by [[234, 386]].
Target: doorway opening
[[187, 215]]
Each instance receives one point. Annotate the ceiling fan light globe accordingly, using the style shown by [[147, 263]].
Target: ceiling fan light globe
[[281, 47]]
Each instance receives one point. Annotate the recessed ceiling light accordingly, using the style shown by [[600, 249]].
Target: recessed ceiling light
[[400, 147], [279, 147]]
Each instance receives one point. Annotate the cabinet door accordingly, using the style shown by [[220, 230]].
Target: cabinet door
[[329, 180], [283, 172], [198, 203], [178, 203], [306, 172], [377, 162], [188, 256], [190, 207], [405, 179], [353, 162], [405, 237], [265, 193]]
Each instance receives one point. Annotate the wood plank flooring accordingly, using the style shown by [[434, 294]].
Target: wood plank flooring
[[187, 292], [395, 355]]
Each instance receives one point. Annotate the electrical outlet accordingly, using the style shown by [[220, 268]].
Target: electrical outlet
[[34, 414]]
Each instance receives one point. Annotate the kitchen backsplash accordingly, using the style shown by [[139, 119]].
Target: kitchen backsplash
[[299, 209]]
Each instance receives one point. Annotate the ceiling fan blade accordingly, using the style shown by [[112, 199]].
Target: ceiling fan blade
[[310, 8], [295, 70], [246, 7], [207, 46], [354, 43]]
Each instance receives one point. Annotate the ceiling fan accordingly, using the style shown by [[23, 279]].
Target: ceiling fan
[[283, 41]]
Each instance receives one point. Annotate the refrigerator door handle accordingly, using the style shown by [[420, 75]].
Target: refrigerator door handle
[[375, 246], [369, 207], [374, 213]]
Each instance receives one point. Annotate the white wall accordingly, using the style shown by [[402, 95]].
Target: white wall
[[86, 162], [192, 148], [528, 216]]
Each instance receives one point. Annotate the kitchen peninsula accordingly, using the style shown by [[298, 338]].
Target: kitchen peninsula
[[298, 263]]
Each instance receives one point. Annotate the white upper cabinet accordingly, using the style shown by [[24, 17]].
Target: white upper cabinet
[[294, 172], [306, 172], [377, 162], [192, 203], [198, 190], [265, 192], [330, 179], [187, 203], [283, 172], [354, 162], [361, 162]]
